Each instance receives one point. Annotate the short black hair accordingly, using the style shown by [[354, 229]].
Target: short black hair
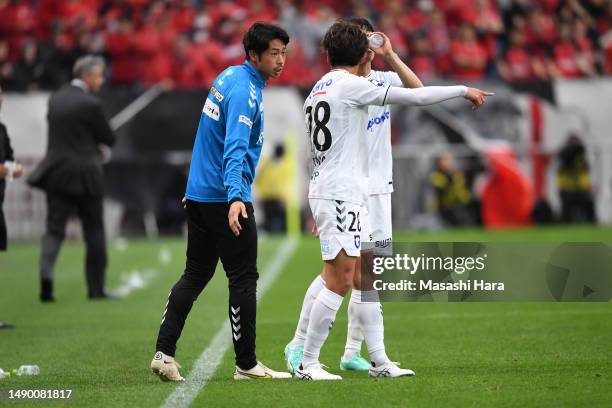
[[345, 44], [259, 35], [361, 22]]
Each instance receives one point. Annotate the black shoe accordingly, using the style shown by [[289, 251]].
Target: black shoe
[[46, 291], [5, 325]]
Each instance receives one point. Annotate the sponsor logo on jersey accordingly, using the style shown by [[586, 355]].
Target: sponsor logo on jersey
[[378, 120], [314, 175], [319, 86], [357, 241], [376, 82], [325, 246], [211, 110], [245, 120], [260, 140], [384, 243], [218, 95]]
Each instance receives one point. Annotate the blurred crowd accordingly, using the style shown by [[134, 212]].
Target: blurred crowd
[[185, 43]]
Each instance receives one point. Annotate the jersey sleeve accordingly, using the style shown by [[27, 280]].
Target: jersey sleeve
[[391, 78], [238, 121], [427, 95], [360, 91]]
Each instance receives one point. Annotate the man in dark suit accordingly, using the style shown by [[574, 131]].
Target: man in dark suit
[[71, 173], [9, 169]]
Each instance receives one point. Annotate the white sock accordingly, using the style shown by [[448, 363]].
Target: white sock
[[369, 315], [354, 337], [311, 294], [322, 318]]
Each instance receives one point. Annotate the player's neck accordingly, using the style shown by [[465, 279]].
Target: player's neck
[[364, 70], [351, 70]]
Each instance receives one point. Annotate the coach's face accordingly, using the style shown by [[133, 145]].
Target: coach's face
[[270, 63], [94, 78]]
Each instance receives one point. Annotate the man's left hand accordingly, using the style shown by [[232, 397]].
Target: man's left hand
[[236, 209]]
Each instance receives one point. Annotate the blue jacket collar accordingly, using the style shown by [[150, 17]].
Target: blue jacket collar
[[259, 81]]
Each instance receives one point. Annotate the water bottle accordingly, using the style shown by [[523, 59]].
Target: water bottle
[[28, 370], [375, 40]]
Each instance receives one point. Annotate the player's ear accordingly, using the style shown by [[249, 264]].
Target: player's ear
[[253, 56]]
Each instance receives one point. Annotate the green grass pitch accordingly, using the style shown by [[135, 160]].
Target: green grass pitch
[[464, 354]]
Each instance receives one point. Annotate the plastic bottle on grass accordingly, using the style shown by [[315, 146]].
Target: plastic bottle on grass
[[28, 370]]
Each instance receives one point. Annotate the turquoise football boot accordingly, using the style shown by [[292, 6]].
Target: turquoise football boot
[[293, 357], [356, 363]]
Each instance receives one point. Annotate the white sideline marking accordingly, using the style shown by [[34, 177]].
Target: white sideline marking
[[206, 364], [135, 106]]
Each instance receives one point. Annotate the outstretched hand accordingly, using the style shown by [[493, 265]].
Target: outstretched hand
[[477, 97]]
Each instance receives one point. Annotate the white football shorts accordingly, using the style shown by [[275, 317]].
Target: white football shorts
[[380, 224], [340, 226]]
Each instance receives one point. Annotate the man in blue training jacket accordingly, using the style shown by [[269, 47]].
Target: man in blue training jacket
[[220, 217]]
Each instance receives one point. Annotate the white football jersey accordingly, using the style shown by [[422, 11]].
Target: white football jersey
[[378, 132], [336, 113]]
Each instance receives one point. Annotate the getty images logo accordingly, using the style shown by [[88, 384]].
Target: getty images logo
[[378, 120]]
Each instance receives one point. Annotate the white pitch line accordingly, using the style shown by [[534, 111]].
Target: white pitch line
[[135, 106], [205, 366]]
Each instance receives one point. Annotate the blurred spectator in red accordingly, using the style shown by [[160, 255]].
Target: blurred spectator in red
[[231, 38], [606, 43], [121, 47], [6, 67], [361, 9], [469, 55], [258, 10], [584, 44], [602, 13], [112, 12], [183, 16], [61, 56], [518, 64], [422, 61], [78, 14], [387, 25], [566, 60], [489, 24], [189, 67], [30, 69], [297, 71], [224, 10], [541, 29], [154, 43], [412, 20], [439, 39], [301, 26], [17, 23]]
